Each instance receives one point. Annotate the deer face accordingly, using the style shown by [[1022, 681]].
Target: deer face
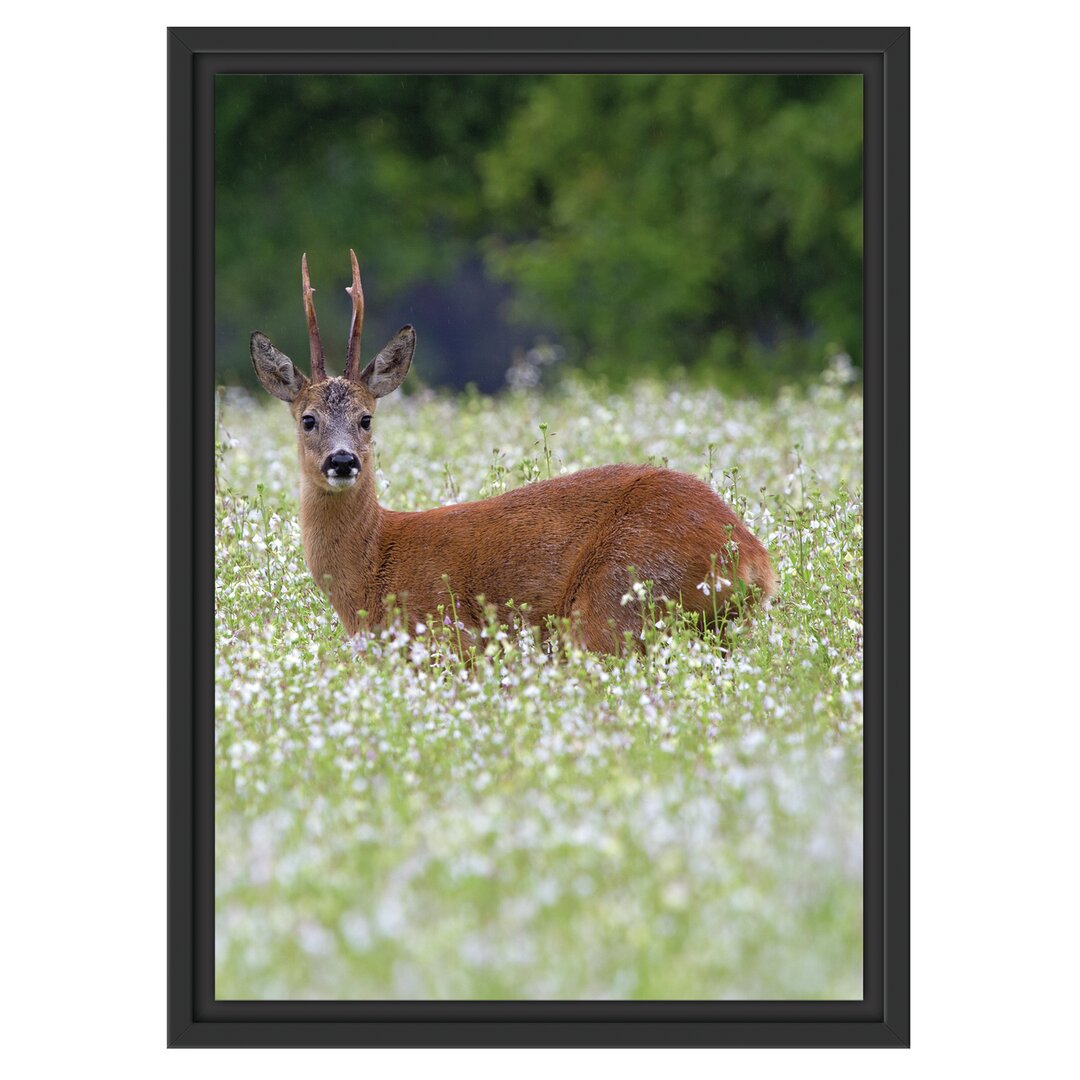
[[333, 416], [333, 423]]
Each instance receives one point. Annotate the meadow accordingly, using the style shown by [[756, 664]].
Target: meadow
[[397, 820]]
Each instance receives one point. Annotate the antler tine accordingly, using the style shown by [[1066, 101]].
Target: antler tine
[[356, 327], [318, 362]]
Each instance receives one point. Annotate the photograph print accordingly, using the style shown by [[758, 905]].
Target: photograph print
[[538, 537]]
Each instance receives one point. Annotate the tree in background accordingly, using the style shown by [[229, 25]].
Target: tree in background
[[387, 164], [705, 220], [646, 222]]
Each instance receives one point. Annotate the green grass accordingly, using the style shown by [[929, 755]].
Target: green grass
[[680, 824]]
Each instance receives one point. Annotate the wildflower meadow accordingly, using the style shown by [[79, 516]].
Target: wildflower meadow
[[408, 815]]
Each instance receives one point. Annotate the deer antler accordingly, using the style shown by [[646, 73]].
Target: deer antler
[[318, 362], [356, 327]]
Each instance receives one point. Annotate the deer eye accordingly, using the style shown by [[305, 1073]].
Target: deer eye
[[308, 422], [365, 422]]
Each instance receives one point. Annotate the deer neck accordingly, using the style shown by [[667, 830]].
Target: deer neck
[[340, 532]]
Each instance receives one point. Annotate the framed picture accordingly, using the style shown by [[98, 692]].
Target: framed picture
[[565, 701]]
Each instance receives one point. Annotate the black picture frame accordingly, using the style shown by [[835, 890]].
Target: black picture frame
[[195, 1019]]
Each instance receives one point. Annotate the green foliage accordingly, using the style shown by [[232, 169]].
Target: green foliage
[[387, 164], [698, 221], [709, 223]]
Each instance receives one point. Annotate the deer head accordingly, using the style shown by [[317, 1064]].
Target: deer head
[[333, 415]]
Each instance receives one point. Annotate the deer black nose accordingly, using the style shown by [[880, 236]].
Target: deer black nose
[[341, 464]]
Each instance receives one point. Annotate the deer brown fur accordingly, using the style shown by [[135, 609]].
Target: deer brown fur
[[568, 547]]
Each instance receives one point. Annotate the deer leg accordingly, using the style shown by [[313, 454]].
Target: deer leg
[[601, 619]]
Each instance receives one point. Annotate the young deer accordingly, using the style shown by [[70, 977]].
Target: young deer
[[568, 547]]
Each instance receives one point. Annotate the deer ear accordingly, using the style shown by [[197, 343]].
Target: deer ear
[[278, 374], [387, 371]]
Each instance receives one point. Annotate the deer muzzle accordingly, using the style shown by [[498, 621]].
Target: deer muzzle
[[341, 469]]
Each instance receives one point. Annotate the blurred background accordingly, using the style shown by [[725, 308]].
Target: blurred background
[[627, 225]]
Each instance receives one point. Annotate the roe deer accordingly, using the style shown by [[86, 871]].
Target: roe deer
[[564, 546]]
